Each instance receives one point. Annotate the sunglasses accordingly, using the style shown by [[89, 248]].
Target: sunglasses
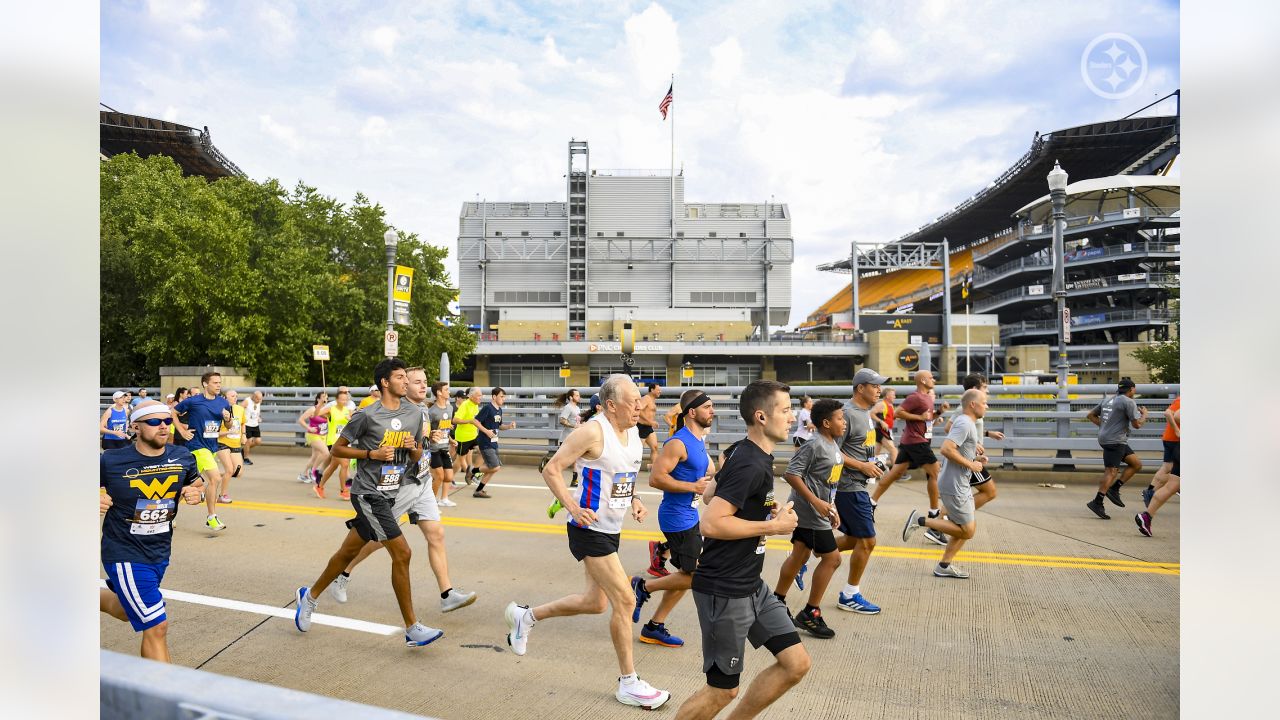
[[157, 422]]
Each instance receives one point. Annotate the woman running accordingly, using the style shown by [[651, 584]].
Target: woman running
[[337, 414], [882, 416], [316, 426], [804, 424]]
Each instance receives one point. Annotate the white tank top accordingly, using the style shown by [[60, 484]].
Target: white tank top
[[609, 481], [251, 413]]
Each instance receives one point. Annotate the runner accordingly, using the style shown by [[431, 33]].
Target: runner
[[439, 424], [419, 502], [252, 423], [229, 439], [983, 484], [914, 451], [1171, 437], [884, 418], [1114, 416], [139, 485], [649, 420], [467, 432], [489, 422], [734, 603], [315, 427], [804, 422], [138, 399], [374, 396], [114, 423], [962, 459], [606, 451], [568, 418], [382, 438], [337, 414], [180, 433], [205, 413], [682, 471], [1171, 482], [813, 474]]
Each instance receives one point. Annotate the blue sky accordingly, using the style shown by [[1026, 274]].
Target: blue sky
[[867, 118]]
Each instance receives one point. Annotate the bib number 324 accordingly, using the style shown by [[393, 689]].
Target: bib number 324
[[624, 487]]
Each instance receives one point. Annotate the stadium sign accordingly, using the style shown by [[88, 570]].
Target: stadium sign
[[908, 359], [929, 326]]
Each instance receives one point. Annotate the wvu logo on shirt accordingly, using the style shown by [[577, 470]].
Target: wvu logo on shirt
[[156, 489], [393, 438]]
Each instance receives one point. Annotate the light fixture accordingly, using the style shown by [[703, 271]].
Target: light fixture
[[390, 238], [1057, 178]]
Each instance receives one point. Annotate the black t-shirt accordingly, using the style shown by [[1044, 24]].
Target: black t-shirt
[[731, 568]]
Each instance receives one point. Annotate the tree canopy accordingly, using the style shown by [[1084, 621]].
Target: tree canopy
[[247, 274]]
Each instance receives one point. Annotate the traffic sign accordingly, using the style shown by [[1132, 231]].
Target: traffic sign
[[391, 343], [564, 372], [320, 352], [1066, 324]]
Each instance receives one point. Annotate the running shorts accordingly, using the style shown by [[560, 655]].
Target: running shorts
[[490, 457], [374, 519], [590, 543], [857, 518], [1113, 455], [976, 479], [441, 459], [685, 547], [466, 446], [916, 454], [728, 623], [645, 430], [252, 431], [1173, 454], [204, 460], [819, 541], [114, 443], [137, 585], [960, 509]]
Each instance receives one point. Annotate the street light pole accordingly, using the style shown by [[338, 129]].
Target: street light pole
[[391, 239], [1058, 196], [810, 372]]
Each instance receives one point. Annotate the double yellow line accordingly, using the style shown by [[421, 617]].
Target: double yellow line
[[893, 551]]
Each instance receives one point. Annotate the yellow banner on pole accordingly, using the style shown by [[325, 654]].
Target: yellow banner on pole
[[403, 289]]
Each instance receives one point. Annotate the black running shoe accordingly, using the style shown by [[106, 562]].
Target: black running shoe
[[1096, 506], [812, 623], [1113, 495]]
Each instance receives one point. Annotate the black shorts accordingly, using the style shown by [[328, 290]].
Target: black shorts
[[228, 448], [1113, 455], [881, 436], [978, 478], [685, 547], [441, 459], [252, 431], [374, 518], [1173, 454], [819, 541], [114, 443], [916, 454], [466, 446], [589, 543], [645, 430]]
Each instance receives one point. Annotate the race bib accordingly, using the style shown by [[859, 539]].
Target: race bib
[[760, 547], [624, 487], [389, 478], [211, 429], [118, 427], [322, 428], [152, 517], [233, 432]]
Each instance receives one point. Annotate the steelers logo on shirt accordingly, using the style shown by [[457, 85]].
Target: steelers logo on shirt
[[395, 423]]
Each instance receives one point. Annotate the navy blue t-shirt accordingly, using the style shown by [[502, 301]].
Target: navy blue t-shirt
[[491, 418], [204, 417], [145, 494]]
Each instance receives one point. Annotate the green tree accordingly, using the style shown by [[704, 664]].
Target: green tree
[[1163, 360]]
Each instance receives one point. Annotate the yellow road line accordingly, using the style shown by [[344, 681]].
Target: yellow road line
[[894, 551]]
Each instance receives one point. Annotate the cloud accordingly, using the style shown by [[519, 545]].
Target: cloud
[[374, 128], [280, 132], [552, 55], [383, 39], [726, 62], [652, 44]]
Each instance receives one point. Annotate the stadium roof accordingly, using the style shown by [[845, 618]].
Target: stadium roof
[[1106, 194], [190, 148]]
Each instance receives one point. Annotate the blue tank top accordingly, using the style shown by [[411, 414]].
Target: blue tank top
[[679, 511], [118, 421]]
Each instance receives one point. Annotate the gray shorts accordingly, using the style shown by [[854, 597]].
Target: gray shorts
[[406, 497], [960, 509], [490, 456], [727, 623]]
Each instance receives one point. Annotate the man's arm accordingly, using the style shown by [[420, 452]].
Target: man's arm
[[1141, 419], [671, 454], [1173, 417], [1094, 416], [951, 451], [586, 440], [719, 522]]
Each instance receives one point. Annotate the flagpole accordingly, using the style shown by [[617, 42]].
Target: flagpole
[[673, 157]]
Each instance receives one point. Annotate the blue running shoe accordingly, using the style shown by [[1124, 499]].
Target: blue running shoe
[[302, 613], [857, 604], [642, 595], [656, 634], [800, 576], [1147, 494]]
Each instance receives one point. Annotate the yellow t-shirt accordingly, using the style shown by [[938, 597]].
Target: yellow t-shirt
[[467, 410], [366, 402], [235, 429], [338, 416]]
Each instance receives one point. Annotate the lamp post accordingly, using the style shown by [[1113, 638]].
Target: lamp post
[[391, 239], [810, 372], [1058, 196]]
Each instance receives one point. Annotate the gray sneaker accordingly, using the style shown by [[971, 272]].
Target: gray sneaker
[[306, 606], [417, 635], [339, 588], [935, 537], [951, 571], [457, 599], [912, 525]]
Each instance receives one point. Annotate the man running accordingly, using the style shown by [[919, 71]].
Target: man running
[[883, 415], [114, 423], [983, 484], [229, 441], [383, 440], [439, 424], [138, 399], [419, 501], [854, 511], [649, 420], [140, 484], [1114, 416], [489, 422], [914, 451], [467, 432], [1171, 439], [252, 423], [960, 452], [682, 471], [734, 602], [813, 474], [205, 413], [1171, 482], [606, 451]]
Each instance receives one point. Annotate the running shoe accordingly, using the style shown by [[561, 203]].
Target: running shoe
[[480, 494], [315, 475], [573, 482], [657, 563], [224, 499], [642, 596], [417, 635], [446, 502], [1144, 523], [906, 477], [339, 588], [554, 508], [1113, 494], [641, 694], [519, 623], [1096, 506], [811, 622], [911, 526], [656, 634], [1147, 494], [319, 490], [247, 461], [214, 524], [469, 476], [305, 606], [950, 571], [935, 537], [304, 476], [800, 576], [456, 599], [345, 495], [857, 603]]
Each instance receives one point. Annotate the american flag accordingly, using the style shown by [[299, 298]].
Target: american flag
[[666, 102]]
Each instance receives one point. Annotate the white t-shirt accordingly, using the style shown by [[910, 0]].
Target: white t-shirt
[[572, 416], [802, 425]]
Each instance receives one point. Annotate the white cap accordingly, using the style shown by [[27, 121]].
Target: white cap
[[117, 395], [373, 388], [169, 396]]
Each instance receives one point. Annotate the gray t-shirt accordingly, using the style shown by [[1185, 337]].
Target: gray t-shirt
[[570, 414], [954, 478], [1116, 413], [981, 423], [859, 443], [439, 418], [374, 427], [818, 464]]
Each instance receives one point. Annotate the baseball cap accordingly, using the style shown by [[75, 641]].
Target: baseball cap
[[117, 395], [169, 396], [595, 401], [1125, 384], [373, 388], [867, 376]]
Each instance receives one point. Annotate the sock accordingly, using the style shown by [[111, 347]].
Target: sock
[[1151, 486], [944, 565], [849, 590], [528, 614], [1098, 498], [479, 487], [653, 625], [781, 598], [933, 512], [810, 608], [444, 595], [627, 679], [921, 521], [346, 574]]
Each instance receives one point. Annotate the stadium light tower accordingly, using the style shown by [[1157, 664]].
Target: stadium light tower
[[391, 239], [1058, 196]]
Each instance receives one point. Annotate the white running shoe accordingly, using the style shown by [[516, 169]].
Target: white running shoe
[[338, 589], [519, 621], [305, 477], [417, 635], [457, 599], [446, 502], [302, 613], [641, 694]]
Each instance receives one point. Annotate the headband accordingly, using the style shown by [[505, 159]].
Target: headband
[[144, 410], [699, 399]]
